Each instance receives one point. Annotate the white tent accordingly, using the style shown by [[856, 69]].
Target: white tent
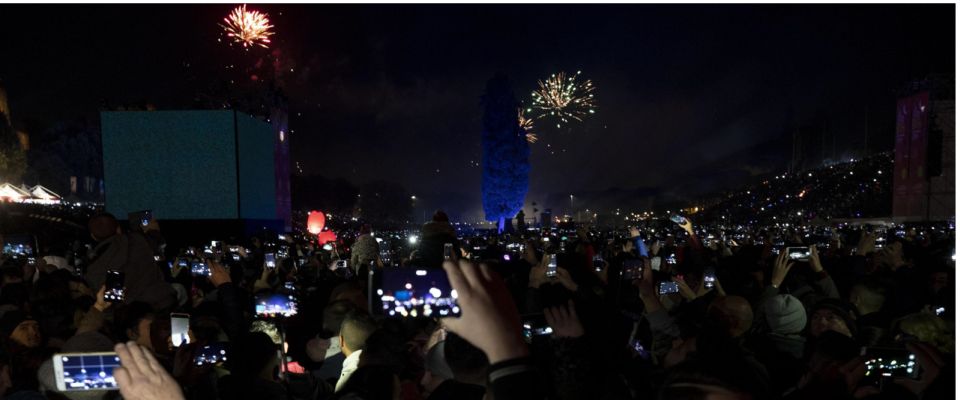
[[43, 195], [10, 192]]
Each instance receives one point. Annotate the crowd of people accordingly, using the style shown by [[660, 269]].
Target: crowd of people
[[666, 309], [852, 189]]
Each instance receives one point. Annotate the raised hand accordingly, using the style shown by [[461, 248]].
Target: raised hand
[[141, 377], [564, 277], [564, 321], [538, 272], [685, 289], [931, 363], [101, 304], [489, 318], [781, 267], [176, 268], [867, 244], [218, 274], [815, 259]]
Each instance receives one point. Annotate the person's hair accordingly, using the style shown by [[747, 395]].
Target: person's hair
[[128, 317], [357, 326], [334, 313], [365, 229], [467, 362], [440, 216], [256, 350], [700, 375], [103, 226], [11, 272], [871, 293], [927, 328], [731, 313], [369, 382], [345, 291], [386, 349]]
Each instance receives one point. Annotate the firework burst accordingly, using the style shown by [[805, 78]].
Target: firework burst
[[526, 124], [564, 97], [249, 28]]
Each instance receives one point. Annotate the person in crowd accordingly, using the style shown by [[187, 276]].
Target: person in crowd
[[781, 325], [868, 297], [131, 253], [833, 315], [325, 348], [357, 326], [365, 249]]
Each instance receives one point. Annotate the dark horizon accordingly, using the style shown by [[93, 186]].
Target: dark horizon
[[692, 98]]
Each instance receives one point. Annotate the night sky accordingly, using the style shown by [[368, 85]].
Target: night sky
[[393, 92]]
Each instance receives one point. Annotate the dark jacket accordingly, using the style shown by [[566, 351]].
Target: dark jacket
[[131, 254], [516, 379]]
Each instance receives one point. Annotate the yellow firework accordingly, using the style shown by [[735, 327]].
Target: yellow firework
[[527, 125], [249, 28], [564, 98]]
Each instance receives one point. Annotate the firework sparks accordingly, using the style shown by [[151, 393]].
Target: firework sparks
[[249, 28], [564, 97], [526, 124]]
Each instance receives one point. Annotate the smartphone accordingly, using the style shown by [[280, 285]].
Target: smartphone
[[672, 259], [269, 260], [200, 268], [709, 278], [412, 293], [885, 363], [114, 286], [275, 305], [552, 266], [678, 219], [448, 252], [212, 354], [639, 350], [535, 325], [341, 264], [598, 263], [141, 218], [183, 263], [18, 245], [940, 311], [179, 329], [668, 287], [632, 269], [85, 371], [798, 253]]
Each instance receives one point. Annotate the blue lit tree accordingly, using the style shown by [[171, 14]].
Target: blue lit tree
[[506, 154]]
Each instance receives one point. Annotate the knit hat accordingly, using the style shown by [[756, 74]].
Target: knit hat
[[839, 307], [88, 342], [10, 321], [784, 314]]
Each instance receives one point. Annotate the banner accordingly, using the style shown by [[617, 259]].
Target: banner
[[910, 156]]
